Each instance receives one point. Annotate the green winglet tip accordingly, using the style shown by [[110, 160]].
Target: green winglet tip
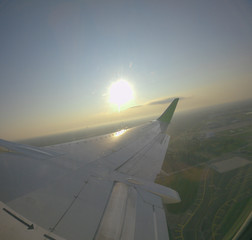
[[168, 113]]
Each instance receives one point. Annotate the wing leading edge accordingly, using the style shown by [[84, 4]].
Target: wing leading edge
[[98, 188]]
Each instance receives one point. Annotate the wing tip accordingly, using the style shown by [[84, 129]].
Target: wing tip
[[168, 113]]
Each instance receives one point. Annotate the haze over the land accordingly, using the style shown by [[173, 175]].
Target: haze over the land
[[59, 58]]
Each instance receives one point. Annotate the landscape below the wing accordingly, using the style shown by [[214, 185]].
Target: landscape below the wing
[[208, 162]]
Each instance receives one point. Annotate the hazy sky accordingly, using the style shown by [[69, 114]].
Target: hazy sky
[[58, 59]]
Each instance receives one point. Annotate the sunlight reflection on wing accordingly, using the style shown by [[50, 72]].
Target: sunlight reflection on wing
[[119, 133]]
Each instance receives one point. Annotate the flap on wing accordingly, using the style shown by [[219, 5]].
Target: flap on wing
[[130, 214], [167, 194]]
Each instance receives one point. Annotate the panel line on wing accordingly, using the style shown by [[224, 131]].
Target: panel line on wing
[[135, 154], [49, 237], [68, 208], [147, 162], [96, 232], [155, 223]]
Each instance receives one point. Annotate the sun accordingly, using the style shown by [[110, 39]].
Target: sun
[[120, 93]]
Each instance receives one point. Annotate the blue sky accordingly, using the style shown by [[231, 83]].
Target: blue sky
[[58, 58]]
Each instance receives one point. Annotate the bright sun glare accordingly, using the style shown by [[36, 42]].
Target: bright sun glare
[[120, 93]]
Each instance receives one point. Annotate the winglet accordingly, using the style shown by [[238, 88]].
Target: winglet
[[168, 113]]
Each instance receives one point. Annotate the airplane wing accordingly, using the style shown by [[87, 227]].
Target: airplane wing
[[96, 188]]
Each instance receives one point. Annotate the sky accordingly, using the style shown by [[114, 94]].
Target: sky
[[59, 58]]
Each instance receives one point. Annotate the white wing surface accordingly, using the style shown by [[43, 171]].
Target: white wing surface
[[97, 188]]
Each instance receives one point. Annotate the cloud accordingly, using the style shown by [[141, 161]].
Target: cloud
[[137, 106], [159, 101], [163, 101]]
